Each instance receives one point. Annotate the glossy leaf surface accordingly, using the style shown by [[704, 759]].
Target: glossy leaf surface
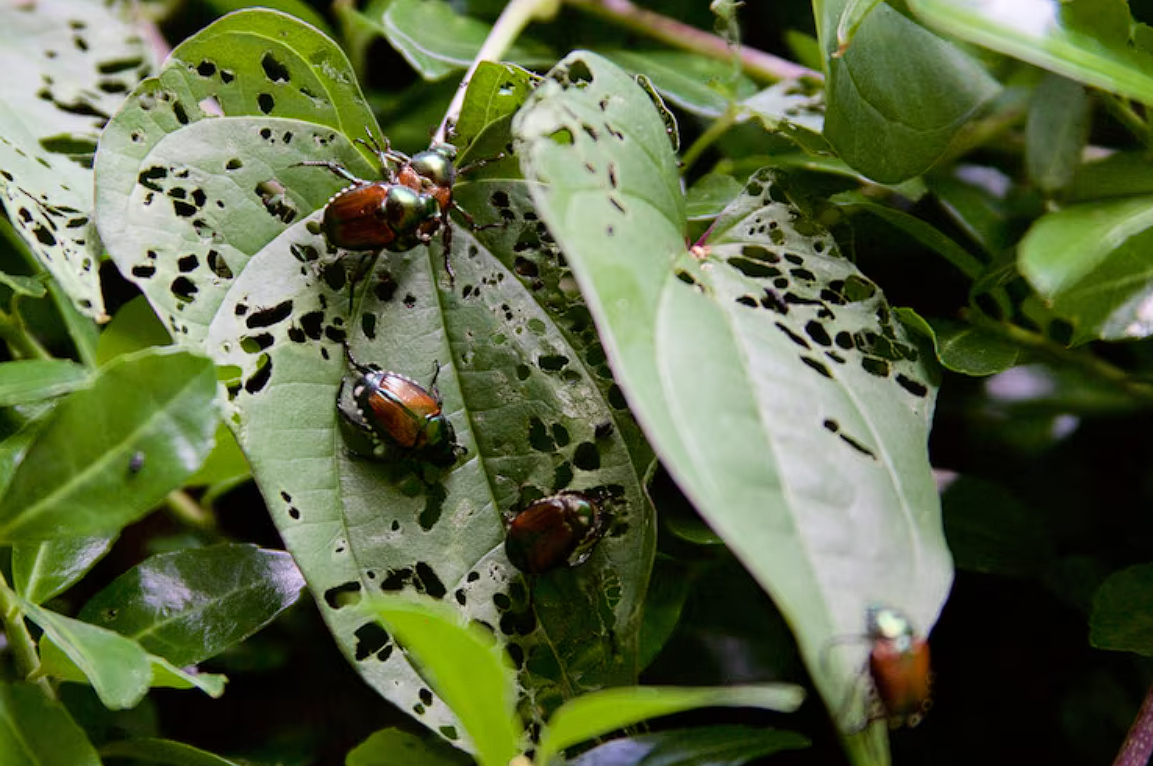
[[77, 478], [193, 604], [1089, 262]]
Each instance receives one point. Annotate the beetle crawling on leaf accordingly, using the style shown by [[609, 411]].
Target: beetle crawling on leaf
[[556, 531], [403, 210], [399, 414]]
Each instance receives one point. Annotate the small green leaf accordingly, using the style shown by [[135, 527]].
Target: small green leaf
[[33, 380], [37, 731], [117, 667], [465, 668], [393, 747], [1038, 32], [32, 287], [970, 350], [899, 95], [78, 479], [190, 605], [495, 92], [1122, 616], [437, 41], [699, 85], [710, 194], [135, 327], [1056, 132], [168, 676], [46, 569], [925, 233], [704, 746], [225, 465], [1090, 262], [599, 713], [162, 751]]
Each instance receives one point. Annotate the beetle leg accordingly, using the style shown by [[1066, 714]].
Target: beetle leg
[[472, 224], [335, 167], [383, 151], [476, 164], [432, 383]]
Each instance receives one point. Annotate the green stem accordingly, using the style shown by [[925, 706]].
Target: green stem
[[706, 139], [20, 342], [1087, 363], [513, 19], [181, 505], [20, 639], [757, 64], [1123, 111]]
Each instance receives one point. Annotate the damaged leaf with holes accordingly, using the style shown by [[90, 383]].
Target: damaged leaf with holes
[[771, 375], [218, 224], [66, 67]]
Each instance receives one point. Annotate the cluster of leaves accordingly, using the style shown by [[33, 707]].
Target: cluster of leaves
[[785, 397]]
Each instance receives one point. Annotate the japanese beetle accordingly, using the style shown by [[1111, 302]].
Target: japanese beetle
[[400, 413], [898, 665], [556, 531], [370, 215], [433, 172]]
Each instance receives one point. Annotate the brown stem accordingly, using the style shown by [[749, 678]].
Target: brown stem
[[757, 64]]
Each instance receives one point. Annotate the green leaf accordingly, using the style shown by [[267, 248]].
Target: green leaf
[[709, 196], [117, 667], [1056, 132], [704, 746], [190, 605], [794, 413], [168, 676], [495, 92], [225, 465], [969, 196], [523, 379], [162, 751], [135, 327], [465, 668], [37, 731], [393, 747], [600, 713], [970, 350], [925, 233], [78, 478], [1119, 175], [1122, 616], [899, 95], [699, 85], [46, 569], [34, 380], [990, 531], [1038, 32], [1090, 263], [32, 287], [437, 41], [66, 69]]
